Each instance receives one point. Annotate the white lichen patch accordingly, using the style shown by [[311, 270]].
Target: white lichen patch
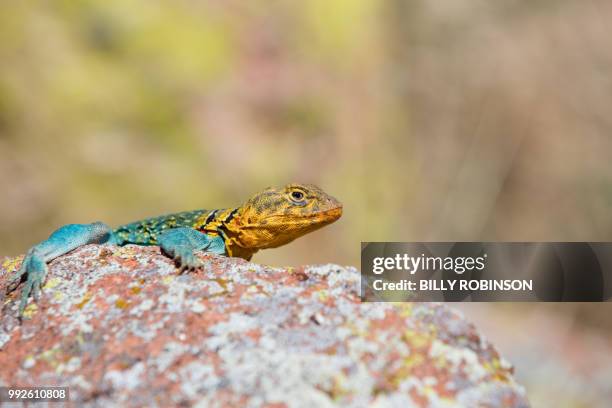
[[197, 307], [71, 366], [173, 300], [170, 353], [236, 324], [376, 311], [4, 337], [198, 378], [127, 379], [212, 287], [460, 358], [143, 329], [142, 307], [79, 323], [29, 362]]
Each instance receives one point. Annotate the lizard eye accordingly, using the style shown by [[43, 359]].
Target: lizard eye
[[297, 196]]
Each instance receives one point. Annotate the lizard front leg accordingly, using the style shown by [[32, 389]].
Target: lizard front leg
[[34, 266], [181, 243]]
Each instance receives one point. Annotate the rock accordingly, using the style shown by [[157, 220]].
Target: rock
[[119, 327]]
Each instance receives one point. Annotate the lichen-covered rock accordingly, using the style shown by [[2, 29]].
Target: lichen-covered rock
[[120, 327]]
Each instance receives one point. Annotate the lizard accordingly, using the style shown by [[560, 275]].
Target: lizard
[[269, 219]]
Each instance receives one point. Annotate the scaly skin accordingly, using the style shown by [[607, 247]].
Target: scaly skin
[[269, 219]]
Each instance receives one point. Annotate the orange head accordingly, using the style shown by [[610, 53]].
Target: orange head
[[277, 216]]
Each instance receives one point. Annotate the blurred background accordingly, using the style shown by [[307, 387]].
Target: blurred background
[[429, 120]]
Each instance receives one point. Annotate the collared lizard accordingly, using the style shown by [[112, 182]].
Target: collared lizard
[[271, 218]]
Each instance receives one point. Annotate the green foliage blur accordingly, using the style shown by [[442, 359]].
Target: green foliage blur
[[461, 120]]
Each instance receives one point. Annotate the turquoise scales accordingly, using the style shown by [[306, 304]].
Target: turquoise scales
[[145, 232]]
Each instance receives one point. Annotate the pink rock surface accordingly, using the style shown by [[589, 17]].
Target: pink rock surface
[[120, 327]]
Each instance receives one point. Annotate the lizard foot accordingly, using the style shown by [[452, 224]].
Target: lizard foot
[[180, 244], [33, 271], [186, 260]]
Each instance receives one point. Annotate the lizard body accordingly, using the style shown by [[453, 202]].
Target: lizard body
[[271, 218]]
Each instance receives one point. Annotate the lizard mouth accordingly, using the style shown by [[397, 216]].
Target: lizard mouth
[[324, 217], [331, 214]]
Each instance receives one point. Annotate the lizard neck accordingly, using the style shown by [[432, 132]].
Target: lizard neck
[[229, 225]]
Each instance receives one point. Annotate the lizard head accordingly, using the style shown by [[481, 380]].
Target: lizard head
[[277, 216]]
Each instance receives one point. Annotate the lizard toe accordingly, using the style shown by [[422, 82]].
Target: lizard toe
[[25, 294], [18, 276], [36, 269], [36, 290], [12, 285], [188, 262], [182, 269]]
